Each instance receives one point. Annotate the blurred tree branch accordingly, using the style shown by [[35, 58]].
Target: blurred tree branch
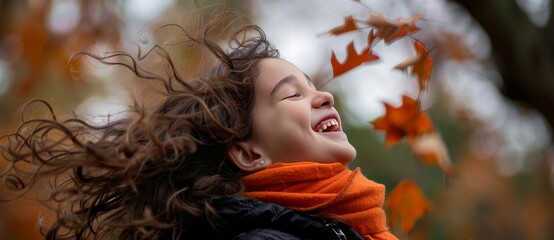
[[523, 52]]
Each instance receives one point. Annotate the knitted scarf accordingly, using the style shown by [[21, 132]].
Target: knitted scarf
[[330, 189]]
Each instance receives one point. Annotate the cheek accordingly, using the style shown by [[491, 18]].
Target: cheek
[[286, 121], [294, 111], [262, 125], [275, 127], [267, 127]]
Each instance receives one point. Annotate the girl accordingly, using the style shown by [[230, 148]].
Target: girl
[[247, 150]]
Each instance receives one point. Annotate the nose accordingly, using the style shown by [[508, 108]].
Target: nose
[[323, 99]]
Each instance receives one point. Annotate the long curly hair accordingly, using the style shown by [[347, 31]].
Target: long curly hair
[[149, 174]]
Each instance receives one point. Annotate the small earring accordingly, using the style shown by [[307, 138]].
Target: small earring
[[262, 162]]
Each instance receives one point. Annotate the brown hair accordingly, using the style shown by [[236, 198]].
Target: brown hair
[[149, 174]]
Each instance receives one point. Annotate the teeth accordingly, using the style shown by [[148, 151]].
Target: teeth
[[332, 122]]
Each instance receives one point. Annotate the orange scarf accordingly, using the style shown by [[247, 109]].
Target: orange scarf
[[331, 189]]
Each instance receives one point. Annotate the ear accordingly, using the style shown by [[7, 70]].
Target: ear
[[247, 157]]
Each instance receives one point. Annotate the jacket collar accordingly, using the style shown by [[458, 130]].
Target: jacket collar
[[237, 215]]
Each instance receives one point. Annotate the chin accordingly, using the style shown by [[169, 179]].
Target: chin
[[348, 156]]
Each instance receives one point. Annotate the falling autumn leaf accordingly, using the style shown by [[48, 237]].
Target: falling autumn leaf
[[406, 203], [429, 148], [421, 65], [348, 26], [422, 69], [353, 59], [453, 47], [371, 38], [390, 31], [405, 120]]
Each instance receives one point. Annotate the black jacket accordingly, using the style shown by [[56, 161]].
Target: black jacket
[[241, 218]]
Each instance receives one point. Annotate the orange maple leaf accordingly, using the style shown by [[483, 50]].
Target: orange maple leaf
[[406, 203], [429, 148], [353, 59], [348, 26], [390, 31], [405, 120], [421, 63]]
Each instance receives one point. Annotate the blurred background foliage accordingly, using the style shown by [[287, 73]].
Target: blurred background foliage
[[491, 94]]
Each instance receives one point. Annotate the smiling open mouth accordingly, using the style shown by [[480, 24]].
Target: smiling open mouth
[[327, 125]]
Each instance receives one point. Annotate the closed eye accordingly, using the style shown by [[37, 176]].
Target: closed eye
[[292, 96]]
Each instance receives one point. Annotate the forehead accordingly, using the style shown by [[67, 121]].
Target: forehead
[[272, 70]]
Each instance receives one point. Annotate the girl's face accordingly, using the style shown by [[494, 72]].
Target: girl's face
[[292, 121]]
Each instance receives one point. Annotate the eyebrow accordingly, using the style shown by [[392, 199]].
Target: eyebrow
[[286, 80]]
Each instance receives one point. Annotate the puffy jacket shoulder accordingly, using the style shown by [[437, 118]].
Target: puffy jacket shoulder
[[266, 234], [249, 219]]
